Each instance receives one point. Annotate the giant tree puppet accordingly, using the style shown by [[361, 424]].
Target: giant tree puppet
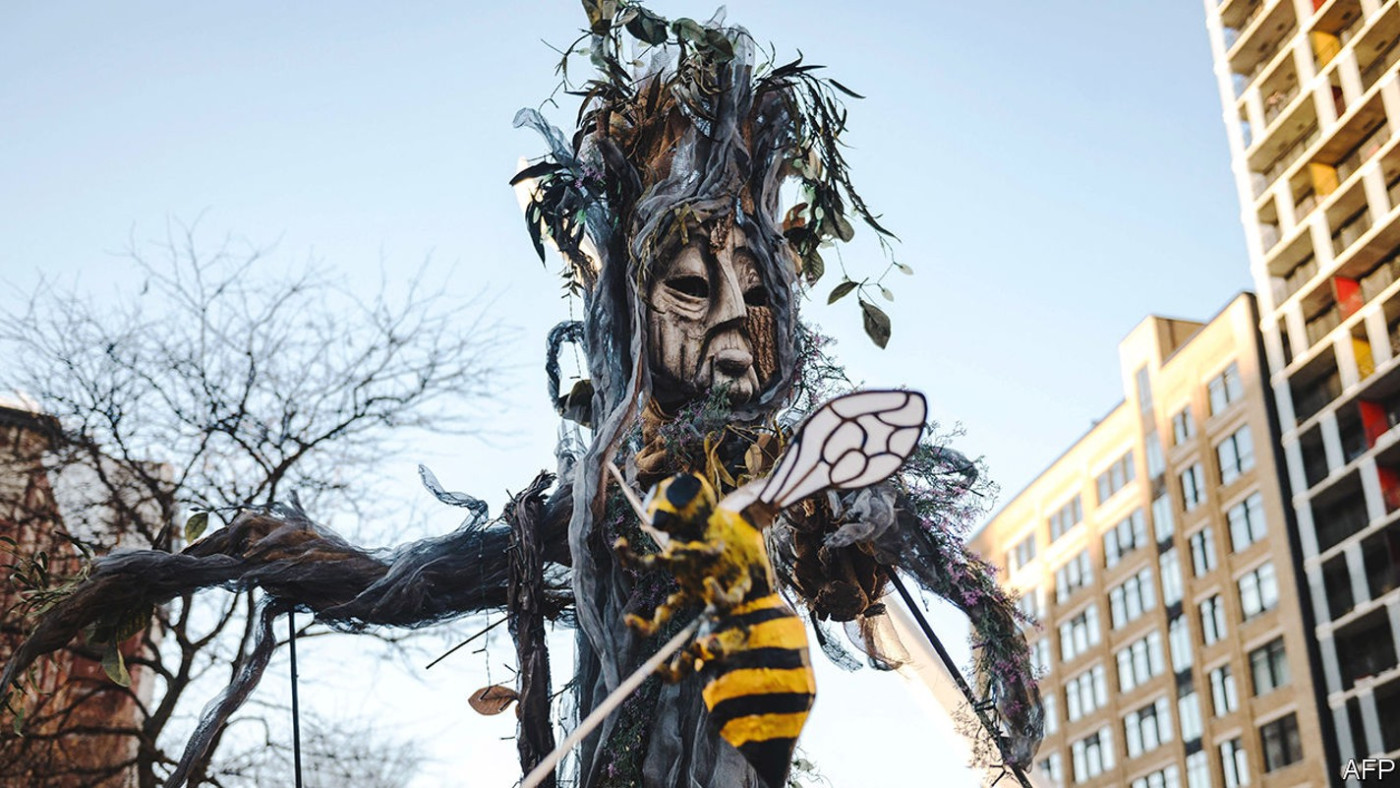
[[666, 205]]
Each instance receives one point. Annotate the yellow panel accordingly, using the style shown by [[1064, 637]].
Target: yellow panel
[[1364, 363], [1325, 46], [1324, 178]]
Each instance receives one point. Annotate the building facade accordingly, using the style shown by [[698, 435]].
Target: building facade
[[1157, 555], [1311, 106], [78, 724]]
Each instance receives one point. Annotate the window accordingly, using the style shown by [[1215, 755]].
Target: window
[[1236, 455], [1032, 604], [1162, 517], [1128, 601], [1198, 770], [1116, 477], [1144, 389], [1156, 463], [1162, 778], [1021, 554], [1213, 620], [1086, 693], [1053, 770], [1073, 576], [1247, 524], [1092, 755], [1179, 634], [1128, 535], [1139, 662], [1223, 697], [1065, 518], [1183, 426], [1170, 564], [1052, 714], [1193, 487], [1235, 763], [1225, 388], [1079, 633], [1282, 745], [1202, 551], [1040, 656], [1268, 666], [1188, 711], [1258, 591], [1145, 729]]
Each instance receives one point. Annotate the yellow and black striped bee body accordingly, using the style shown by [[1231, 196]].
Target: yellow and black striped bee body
[[760, 689], [752, 649]]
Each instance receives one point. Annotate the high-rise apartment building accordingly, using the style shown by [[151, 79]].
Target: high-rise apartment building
[[1312, 106], [1156, 553]]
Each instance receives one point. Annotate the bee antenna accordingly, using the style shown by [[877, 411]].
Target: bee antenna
[[658, 536]]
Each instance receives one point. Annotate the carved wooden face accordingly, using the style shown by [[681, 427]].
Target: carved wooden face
[[700, 303]]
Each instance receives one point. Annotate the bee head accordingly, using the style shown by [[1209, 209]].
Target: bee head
[[681, 505]]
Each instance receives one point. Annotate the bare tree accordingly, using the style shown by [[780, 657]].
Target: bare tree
[[217, 387], [334, 753]]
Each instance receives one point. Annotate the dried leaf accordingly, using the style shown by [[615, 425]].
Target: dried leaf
[[600, 14], [492, 700], [841, 291], [115, 667], [904, 269], [688, 30], [877, 323], [885, 291], [813, 266], [721, 48], [844, 89], [844, 230], [647, 27], [535, 171], [753, 460]]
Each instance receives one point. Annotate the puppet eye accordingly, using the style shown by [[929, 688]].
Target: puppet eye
[[693, 286]]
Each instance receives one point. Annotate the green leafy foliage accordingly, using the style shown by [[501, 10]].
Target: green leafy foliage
[[566, 193], [877, 323], [841, 291], [196, 525]]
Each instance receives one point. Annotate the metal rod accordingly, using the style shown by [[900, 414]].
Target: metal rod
[[956, 674], [296, 709], [627, 687], [465, 642]]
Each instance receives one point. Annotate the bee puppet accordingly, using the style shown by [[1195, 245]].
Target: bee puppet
[[751, 648]]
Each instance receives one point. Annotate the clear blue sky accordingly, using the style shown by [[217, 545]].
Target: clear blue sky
[[1056, 172]]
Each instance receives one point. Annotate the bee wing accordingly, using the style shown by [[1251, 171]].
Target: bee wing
[[852, 441]]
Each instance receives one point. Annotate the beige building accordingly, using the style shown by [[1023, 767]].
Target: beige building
[[1311, 105], [1157, 555]]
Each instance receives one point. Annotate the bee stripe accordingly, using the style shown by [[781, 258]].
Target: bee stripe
[[763, 727], [771, 759], [762, 603], [753, 618], [787, 632], [731, 709], [758, 681], [769, 658]]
